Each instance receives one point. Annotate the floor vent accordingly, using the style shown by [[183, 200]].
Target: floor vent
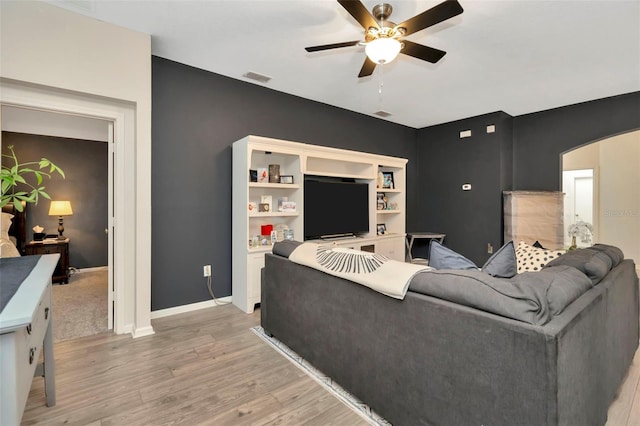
[[258, 77], [382, 113]]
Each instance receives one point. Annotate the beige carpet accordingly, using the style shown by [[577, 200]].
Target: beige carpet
[[80, 307]]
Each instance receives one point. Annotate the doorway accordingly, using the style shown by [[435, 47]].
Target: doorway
[[82, 147], [578, 188], [131, 263]]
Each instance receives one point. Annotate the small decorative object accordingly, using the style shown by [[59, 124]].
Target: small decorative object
[[279, 230], [380, 201], [253, 175], [393, 206], [274, 173], [281, 200], [379, 180], [267, 199], [288, 234], [286, 179], [264, 207], [274, 237], [289, 206], [38, 233], [581, 229], [381, 229], [387, 180], [266, 229], [263, 175], [253, 206]]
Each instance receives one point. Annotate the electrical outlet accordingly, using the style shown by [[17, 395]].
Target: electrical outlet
[[207, 270], [489, 248]]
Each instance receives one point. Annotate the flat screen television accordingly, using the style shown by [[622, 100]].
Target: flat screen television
[[335, 208]]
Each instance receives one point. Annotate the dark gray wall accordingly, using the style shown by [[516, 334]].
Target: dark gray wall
[[540, 138], [197, 115], [470, 219], [524, 154], [85, 164]]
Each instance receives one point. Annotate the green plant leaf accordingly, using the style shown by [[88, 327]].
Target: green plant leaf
[[18, 206]]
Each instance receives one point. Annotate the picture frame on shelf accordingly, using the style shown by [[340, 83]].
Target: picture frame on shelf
[[381, 202], [381, 229], [387, 180], [263, 175], [288, 179], [253, 175]]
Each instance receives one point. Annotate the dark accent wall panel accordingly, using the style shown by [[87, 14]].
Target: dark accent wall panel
[[540, 138], [197, 115], [85, 164], [470, 219]]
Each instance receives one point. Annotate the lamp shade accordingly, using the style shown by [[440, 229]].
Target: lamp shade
[[60, 208], [383, 50]]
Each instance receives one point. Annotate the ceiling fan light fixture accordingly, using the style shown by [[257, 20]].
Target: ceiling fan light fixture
[[383, 50]]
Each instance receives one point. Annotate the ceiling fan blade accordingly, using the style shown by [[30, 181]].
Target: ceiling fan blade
[[367, 68], [419, 51], [331, 46], [435, 15], [360, 13]]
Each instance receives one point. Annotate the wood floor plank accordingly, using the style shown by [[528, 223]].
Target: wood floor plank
[[206, 367]]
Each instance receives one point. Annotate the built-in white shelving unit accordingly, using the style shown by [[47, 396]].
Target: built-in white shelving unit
[[297, 160]]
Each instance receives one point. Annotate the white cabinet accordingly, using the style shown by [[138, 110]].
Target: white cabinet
[[296, 160]]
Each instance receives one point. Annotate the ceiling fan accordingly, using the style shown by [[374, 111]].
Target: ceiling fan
[[383, 39]]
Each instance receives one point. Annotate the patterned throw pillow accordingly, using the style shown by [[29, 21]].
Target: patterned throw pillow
[[531, 259]]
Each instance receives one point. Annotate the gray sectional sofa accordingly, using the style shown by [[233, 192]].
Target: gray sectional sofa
[[465, 348]]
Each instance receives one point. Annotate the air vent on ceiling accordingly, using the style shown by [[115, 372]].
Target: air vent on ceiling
[[382, 113], [258, 77]]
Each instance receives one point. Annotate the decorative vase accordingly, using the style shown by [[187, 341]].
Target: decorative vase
[[573, 243]]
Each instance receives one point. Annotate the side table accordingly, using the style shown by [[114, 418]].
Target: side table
[[49, 246], [412, 236]]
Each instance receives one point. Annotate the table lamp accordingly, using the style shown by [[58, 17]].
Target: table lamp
[[60, 208]]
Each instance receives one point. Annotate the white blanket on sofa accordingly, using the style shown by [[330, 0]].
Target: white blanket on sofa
[[375, 271]]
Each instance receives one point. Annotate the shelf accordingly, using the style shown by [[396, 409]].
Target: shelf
[[274, 185], [385, 190], [388, 211], [274, 214]]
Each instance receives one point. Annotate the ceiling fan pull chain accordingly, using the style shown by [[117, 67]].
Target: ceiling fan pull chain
[[381, 86]]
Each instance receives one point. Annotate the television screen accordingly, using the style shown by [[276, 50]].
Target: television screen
[[334, 208]]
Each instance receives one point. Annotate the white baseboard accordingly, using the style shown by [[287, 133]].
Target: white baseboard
[[141, 332], [188, 308], [93, 269]]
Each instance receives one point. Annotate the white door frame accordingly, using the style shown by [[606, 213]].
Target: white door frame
[[132, 312]]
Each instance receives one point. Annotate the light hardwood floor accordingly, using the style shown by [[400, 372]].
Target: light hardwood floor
[[206, 367]]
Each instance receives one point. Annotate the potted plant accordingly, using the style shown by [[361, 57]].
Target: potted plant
[[14, 173]]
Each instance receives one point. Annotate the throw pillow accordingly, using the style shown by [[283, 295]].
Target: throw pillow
[[5, 224], [502, 264], [441, 257], [530, 259], [538, 245], [7, 249]]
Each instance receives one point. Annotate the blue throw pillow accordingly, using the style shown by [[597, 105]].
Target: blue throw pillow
[[441, 257], [502, 264]]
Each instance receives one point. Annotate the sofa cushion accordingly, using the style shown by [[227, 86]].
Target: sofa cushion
[[501, 264], [614, 253], [532, 259], [529, 297], [593, 263], [284, 248]]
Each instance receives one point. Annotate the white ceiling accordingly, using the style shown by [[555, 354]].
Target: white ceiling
[[515, 56]]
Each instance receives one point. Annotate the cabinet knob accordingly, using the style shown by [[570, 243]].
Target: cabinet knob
[[32, 354], [29, 329], [46, 313]]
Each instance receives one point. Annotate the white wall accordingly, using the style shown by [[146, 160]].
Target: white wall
[[620, 193], [35, 122], [616, 162], [44, 45]]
